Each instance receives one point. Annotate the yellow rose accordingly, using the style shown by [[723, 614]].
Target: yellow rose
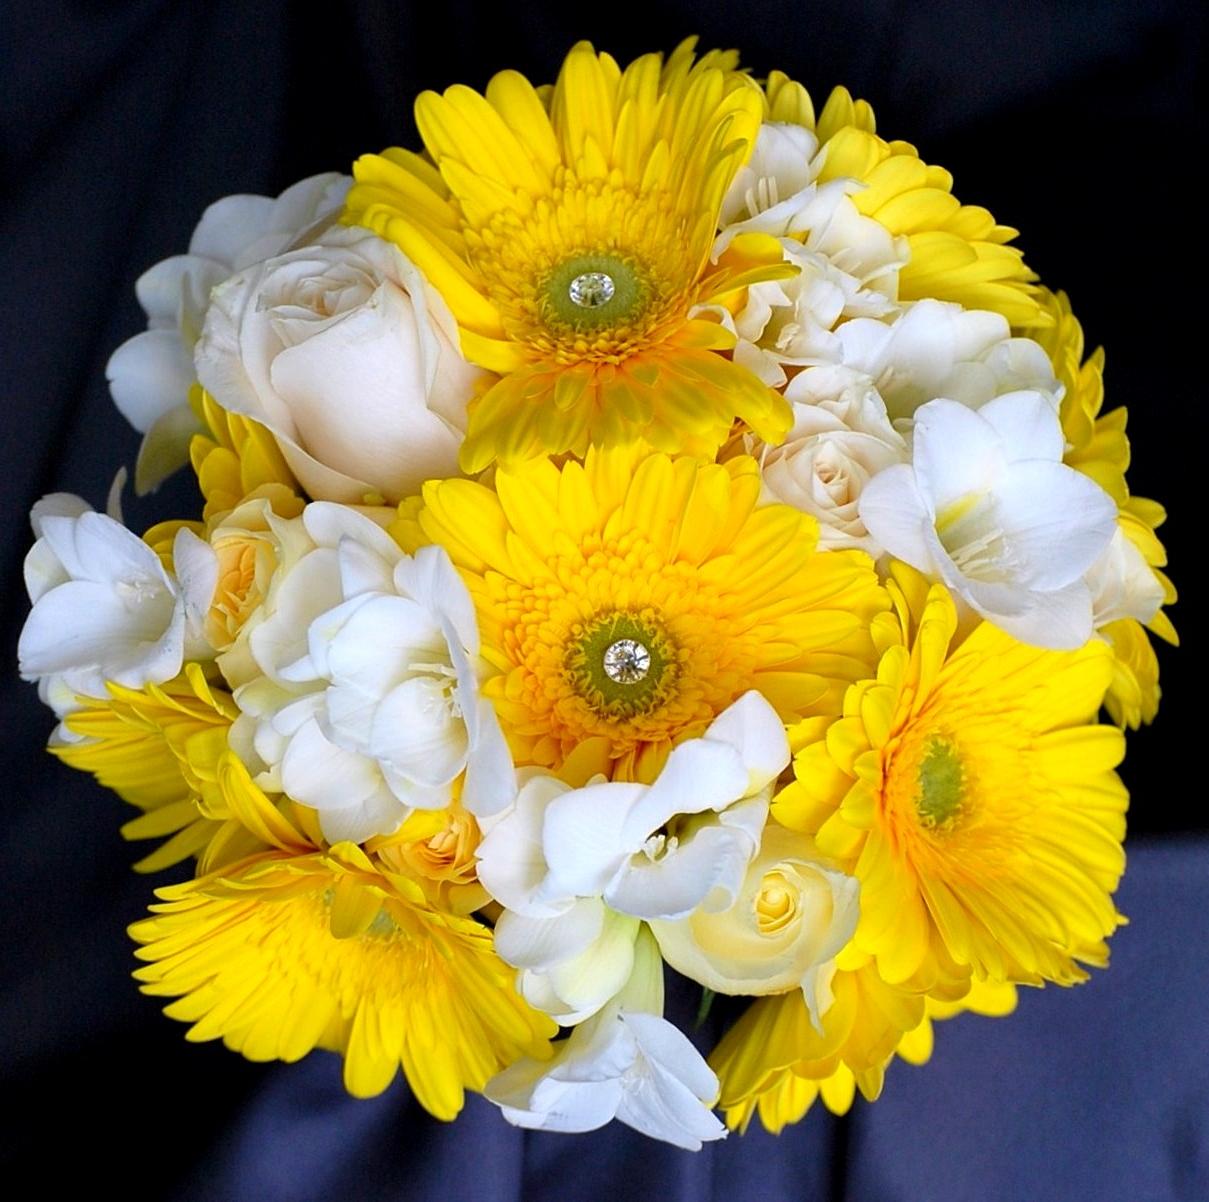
[[794, 912], [438, 848], [246, 544]]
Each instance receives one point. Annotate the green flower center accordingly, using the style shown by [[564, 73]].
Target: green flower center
[[942, 785], [594, 291], [621, 664]]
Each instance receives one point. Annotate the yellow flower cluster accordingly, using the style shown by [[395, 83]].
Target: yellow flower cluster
[[632, 575]]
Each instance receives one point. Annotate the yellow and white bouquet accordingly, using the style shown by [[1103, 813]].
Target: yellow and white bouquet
[[658, 524]]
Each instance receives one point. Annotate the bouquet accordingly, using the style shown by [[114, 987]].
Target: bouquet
[[656, 527]]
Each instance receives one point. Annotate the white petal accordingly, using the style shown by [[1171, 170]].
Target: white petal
[[1028, 425], [327, 523], [897, 516], [751, 726], [320, 774], [582, 836], [544, 943], [42, 570], [374, 642], [512, 864], [431, 579], [149, 375], [59, 505], [416, 729], [588, 981], [713, 857], [956, 452], [663, 1043], [357, 397], [196, 568], [575, 1109], [1061, 620], [95, 547], [362, 570], [490, 782], [165, 448], [378, 814], [310, 589], [700, 775], [83, 624], [229, 225], [1058, 522]]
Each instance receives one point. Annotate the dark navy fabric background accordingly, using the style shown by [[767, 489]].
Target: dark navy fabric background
[[119, 122]]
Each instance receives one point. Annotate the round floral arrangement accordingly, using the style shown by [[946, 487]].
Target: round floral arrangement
[[658, 525]]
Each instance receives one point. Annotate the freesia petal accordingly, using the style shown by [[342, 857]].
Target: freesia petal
[[751, 726], [700, 775], [957, 452], [1027, 424], [149, 375], [896, 515], [582, 836], [543, 943], [511, 860], [416, 729], [490, 782], [1058, 521]]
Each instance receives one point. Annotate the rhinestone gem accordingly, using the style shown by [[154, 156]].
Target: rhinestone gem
[[592, 289], [626, 661]]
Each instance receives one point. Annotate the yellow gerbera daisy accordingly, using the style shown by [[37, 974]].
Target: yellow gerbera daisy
[[968, 791], [570, 235], [774, 1061], [776, 1064], [958, 252], [296, 948], [627, 601], [157, 748]]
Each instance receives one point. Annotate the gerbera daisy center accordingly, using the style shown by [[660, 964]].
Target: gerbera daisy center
[[621, 664], [942, 784], [594, 293]]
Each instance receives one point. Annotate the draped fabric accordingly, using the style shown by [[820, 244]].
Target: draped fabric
[[121, 121]]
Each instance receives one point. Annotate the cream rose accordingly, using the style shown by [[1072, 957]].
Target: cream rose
[[151, 373], [841, 438], [791, 917], [350, 359]]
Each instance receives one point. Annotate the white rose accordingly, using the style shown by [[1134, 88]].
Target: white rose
[[836, 446], [151, 373], [350, 359], [792, 916], [368, 706]]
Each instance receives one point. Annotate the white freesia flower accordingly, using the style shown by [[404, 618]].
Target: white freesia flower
[[841, 438], [574, 868], [938, 350], [988, 507], [369, 705], [104, 607], [151, 373], [627, 1063], [1122, 583], [792, 916], [349, 358], [847, 263]]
